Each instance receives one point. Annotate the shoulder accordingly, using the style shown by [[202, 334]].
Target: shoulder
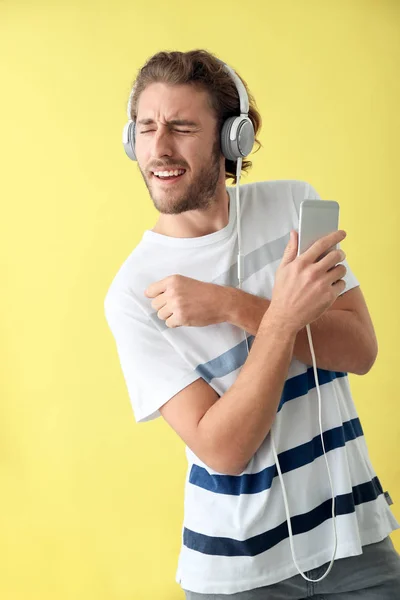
[[276, 200], [125, 291], [285, 188], [279, 190]]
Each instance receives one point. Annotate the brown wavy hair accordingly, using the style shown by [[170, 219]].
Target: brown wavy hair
[[200, 68]]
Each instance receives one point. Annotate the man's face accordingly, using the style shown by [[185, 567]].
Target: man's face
[[176, 129]]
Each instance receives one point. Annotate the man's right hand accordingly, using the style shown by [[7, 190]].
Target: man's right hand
[[304, 289]]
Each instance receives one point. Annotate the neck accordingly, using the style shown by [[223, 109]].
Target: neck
[[196, 223]]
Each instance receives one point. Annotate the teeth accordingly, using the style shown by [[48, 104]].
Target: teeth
[[169, 173]]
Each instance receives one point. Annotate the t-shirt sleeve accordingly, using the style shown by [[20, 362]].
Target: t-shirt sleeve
[[309, 193], [153, 370]]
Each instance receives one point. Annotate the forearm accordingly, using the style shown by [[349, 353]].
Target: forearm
[[238, 423], [338, 337]]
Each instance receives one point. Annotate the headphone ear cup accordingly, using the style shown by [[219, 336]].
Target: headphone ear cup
[[242, 131], [227, 147], [129, 138]]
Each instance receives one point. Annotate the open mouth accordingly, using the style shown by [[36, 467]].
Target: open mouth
[[169, 178]]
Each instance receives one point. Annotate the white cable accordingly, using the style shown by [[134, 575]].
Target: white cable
[[285, 500], [240, 257]]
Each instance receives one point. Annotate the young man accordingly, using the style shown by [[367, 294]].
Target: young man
[[178, 321]]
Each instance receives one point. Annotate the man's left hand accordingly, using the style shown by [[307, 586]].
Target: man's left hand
[[183, 301]]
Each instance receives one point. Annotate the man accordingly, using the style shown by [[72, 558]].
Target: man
[[178, 321]]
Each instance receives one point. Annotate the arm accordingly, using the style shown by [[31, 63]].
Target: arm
[[225, 432], [343, 337]]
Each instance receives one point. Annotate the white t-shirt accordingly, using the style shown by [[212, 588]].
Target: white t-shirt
[[234, 534]]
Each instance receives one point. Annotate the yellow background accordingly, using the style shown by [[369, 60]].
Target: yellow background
[[91, 503]]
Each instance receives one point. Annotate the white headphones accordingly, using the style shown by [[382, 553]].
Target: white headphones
[[237, 133]]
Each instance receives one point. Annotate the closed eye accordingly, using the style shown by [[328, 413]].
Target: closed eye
[[177, 131]]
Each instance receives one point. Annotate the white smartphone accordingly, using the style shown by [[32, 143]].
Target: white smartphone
[[317, 219]]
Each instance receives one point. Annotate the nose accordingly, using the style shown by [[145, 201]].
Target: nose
[[162, 143]]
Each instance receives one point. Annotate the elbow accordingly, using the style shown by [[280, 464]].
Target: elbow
[[235, 460], [217, 455], [369, 359], [234, 470], [227, 465], [225, 455], [239, 470], [236, 465]]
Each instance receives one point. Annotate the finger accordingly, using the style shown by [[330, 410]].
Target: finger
[[290, 252], [164, 313], [322, 245], [331, 260], [336, 273], [159, 301], [339, 286], [171, 322], [155, 288]]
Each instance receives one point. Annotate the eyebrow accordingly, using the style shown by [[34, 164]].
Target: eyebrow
[[181, 122]]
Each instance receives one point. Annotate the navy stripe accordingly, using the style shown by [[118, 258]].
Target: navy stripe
[[304, 454], [235, 357], [301, 384], [344, 504]]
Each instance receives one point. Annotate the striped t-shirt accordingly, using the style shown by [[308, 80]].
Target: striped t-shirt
[[234, 534]]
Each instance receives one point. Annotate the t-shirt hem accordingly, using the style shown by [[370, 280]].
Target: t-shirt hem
[[193, 584]]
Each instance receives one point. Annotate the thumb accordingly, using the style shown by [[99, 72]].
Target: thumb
[[291, 248]]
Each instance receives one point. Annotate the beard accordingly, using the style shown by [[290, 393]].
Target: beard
[[198, 194]]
